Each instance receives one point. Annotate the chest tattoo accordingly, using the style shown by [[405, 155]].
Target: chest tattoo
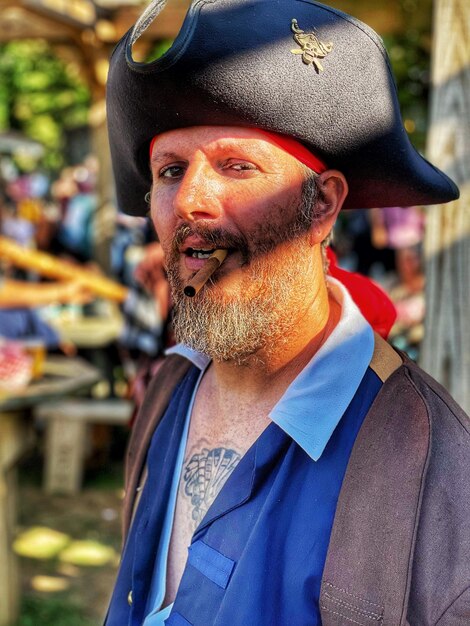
[[204, 475]]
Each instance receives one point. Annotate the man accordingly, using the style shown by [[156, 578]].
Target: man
[[317, 476]]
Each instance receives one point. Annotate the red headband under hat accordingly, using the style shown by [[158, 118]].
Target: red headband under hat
[[290, 145]]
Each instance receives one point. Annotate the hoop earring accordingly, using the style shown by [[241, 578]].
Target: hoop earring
[[147, 197]]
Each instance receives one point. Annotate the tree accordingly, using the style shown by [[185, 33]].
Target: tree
[[446, 346], [409, 48], [41, 95]]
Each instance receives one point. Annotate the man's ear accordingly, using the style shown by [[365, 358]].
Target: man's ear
[[332, 191]]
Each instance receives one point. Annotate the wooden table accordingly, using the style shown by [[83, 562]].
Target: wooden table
[[94, 331], [62, 376]]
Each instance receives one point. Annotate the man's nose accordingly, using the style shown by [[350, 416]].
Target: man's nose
[[198, 195]]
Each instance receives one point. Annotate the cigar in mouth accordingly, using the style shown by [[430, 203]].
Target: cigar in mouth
[[202, 276]]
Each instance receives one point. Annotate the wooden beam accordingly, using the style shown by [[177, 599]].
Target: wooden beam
[[446, 346], [18, 22], [167, 25], [382, 15]]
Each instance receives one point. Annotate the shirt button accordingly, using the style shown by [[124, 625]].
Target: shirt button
[[129, 598]]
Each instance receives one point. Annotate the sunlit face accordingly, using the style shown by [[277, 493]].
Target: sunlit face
[[230, 182], [219, 187]]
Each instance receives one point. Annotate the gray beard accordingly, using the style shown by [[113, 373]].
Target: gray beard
[[259, 319], [262, 316]]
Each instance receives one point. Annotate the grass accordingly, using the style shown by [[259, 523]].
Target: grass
[[51, 611], [92, 516]]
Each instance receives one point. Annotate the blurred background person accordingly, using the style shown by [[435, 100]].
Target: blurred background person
[[401, 230]]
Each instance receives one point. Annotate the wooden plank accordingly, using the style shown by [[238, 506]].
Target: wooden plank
[[62, 375], [87, 410]]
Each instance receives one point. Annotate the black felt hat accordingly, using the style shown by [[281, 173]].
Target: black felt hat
[[295, 67]]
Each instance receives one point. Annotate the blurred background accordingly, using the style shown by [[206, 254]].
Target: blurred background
[[84, 303]]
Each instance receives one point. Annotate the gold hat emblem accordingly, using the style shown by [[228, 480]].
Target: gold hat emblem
[[311, 48]]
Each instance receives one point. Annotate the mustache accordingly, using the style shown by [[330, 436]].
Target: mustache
[[215, 237]]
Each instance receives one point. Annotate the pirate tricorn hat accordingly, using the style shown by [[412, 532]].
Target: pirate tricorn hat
[[294, 67]]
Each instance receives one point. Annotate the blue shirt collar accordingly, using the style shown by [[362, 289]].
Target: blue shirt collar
[[316, 399]]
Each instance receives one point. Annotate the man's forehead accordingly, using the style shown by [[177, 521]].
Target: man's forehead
[[223, 136]]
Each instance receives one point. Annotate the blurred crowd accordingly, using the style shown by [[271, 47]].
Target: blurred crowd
[[56, 218]]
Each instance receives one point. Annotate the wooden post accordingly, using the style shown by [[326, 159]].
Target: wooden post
[[104, 225], [446, 347], [9, 571], [14, 439], [66, 444]]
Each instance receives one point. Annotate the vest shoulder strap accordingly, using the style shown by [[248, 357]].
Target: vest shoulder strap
[[156, 400]]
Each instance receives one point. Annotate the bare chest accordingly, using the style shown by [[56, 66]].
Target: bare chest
[[213, 451]]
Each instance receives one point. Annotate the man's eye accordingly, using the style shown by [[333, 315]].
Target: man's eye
[[240, 166], [171, 171]]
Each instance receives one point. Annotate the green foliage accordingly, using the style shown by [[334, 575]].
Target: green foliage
[[410, 54], [159, 49], [41, 96], [51, 611]]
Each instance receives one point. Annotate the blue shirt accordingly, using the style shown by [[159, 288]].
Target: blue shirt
[[309, 411], [258, 555]]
